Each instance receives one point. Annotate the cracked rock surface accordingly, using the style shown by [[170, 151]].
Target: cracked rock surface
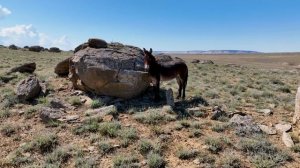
[[113, 71]]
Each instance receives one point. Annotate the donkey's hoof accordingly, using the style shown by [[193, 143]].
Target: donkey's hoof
[[178, 97]]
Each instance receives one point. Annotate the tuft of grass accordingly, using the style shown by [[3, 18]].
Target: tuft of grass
[[75, 101], [105, 147], [231, 162], [43, 143], [18, 160], [44, 101], [263, 153], [195, 133], [129, 134], [154, 160], [8, 130], [206, 158], [220, 127], [81, 162], [145, 147], [97, 103], [153, 118], [58, 157], [30, 112], [4, 113], [215, 145], [89, 125], [186, 154], [185, 123], [296, 149], [109, 129], [125, 161]]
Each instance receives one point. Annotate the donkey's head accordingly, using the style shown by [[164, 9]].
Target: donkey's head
[[149, 59]]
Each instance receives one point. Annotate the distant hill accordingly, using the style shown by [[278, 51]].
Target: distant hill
[[209, 52]]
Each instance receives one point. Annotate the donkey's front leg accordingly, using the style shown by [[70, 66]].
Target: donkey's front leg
[[157, 87]]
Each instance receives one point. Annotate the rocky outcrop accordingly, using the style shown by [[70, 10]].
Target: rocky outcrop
[[28, 88], [62, 68], [296, 117], [163, 58], [28, 67], [113, 71], [36, 48], [13, 47], [54, 49]]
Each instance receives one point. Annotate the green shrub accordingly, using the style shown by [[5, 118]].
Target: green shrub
[[96, 104]]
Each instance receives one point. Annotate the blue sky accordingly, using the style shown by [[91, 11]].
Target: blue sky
[[260, 25]]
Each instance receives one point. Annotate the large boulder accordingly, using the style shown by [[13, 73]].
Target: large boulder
[[114, 71], [28, 88], [36, 48], [28, 67], [62, 68], [163, 58], [13, 47], [54, 49]]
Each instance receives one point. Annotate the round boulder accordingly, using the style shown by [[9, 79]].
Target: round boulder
[[97, 43], [114, 71], [28, 88]]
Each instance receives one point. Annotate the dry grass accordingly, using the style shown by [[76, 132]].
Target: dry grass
[[153, 136]]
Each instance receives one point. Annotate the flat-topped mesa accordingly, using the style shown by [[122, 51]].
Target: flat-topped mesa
[[116, 70]]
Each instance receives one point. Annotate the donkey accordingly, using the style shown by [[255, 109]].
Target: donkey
[[166, 71]]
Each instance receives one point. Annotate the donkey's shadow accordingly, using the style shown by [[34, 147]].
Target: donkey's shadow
[[146, 101]]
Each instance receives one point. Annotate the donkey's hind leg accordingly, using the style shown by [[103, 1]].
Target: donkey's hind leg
[[179, 82], [184, 83]]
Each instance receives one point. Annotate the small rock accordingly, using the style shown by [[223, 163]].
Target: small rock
[[116, 146], [102, 110], [170, 98], [287, 140], [56, 103], [265, 111], [167, 109], [91, 148], [193, 110], [77, 93], [283, 127], [72, 117], [49, 114], [267, 130], [28, 88], [82, 100], [21, 112], [217, 113], [196, 161]]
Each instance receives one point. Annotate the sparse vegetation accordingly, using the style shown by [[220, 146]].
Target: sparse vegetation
[[42, 143], [153, 118], [154, 160], [125, 161], [186, 154], [150, 131], [8, 130], [96, 104]]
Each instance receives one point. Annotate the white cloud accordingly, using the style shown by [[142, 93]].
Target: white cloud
[[22, 35], [4, 12]]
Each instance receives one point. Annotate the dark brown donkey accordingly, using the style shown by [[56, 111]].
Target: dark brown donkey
[[166, 71]]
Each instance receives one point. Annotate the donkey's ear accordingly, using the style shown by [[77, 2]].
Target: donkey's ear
[[150, 50], [144, 50]]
